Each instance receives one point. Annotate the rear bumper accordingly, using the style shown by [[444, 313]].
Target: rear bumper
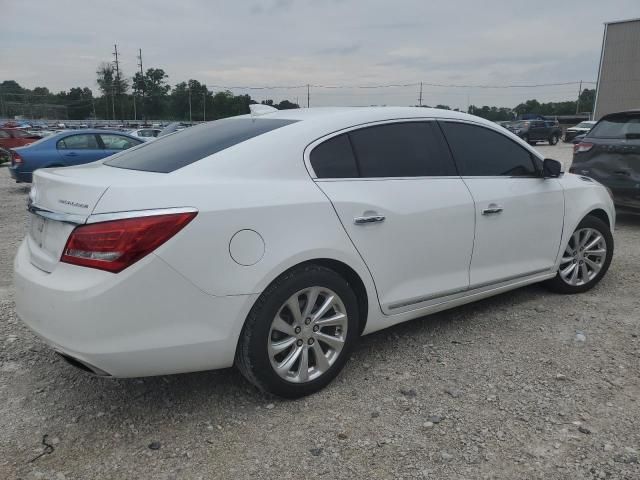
[[146, 320], [19, 176]]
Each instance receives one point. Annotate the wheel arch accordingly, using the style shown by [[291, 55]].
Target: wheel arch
[[601, 215]]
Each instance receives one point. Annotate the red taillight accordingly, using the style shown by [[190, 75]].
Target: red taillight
[[15, 157], [117, 244], [582, 147]]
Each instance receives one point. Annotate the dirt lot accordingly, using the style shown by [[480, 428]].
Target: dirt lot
[[524, 385]]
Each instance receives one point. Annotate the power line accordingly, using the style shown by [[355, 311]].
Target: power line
[[393, 85]]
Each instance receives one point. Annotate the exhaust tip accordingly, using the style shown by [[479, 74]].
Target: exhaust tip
[[84, 366]]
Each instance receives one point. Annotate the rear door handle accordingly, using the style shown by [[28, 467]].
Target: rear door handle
[[71, 154], [492, 209], [369, 219]]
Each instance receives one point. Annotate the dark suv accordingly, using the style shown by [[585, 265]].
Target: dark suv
[[533, 131], [610, 154]]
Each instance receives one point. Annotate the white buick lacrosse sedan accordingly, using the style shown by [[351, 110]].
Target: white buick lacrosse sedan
[[272, 241]]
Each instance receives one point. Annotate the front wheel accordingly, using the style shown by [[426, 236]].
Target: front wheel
[[554, 139], [585, 259], [299, 333]]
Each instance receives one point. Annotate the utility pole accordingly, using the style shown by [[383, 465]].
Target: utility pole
[[143, 82], [135, 115], [204, 105], [117, 80], [308, 95], [190, 103], [420, 97], [93, 106], [578, 102]]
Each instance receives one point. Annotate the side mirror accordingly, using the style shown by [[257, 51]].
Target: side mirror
[[551, 168]]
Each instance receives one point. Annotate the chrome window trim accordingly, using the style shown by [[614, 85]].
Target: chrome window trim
[[309, 148], [106, 217]]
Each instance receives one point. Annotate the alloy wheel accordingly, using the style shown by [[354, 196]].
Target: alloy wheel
[[307, 334], [584, 257]]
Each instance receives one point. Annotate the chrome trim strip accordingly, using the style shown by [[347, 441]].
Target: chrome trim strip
[[72, 218], [471, 289], [106, 217]]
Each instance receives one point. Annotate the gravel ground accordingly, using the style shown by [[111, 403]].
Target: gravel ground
[[524, 385]]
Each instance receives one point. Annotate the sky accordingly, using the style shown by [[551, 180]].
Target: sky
[[59, 44]]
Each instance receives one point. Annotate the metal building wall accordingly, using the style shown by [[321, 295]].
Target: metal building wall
[[619, 73]]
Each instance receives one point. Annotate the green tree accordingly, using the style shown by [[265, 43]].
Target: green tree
[[587, 100], [154, 88]]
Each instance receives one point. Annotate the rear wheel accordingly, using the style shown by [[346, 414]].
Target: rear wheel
[[585, 259], [299, 333]]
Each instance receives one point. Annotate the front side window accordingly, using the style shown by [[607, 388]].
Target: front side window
[[78, 142], [479, 151], [117, 142]]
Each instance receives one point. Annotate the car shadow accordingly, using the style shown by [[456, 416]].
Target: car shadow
[[627, 219], [200, 392]]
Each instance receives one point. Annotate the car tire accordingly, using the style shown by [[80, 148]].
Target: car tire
[[261, 355], [576, 258], [553, 140]]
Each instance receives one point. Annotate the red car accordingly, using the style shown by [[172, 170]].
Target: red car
[[14, 137]]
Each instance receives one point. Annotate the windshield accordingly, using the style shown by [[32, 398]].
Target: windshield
[[174, 151], [584, 125], [519, 124], [617, 126]]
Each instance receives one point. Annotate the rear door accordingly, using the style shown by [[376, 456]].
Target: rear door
[[519, 215], [410, 216], [537, 130], [79, 148]]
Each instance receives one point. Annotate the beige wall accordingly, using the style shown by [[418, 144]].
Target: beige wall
[[619, 78]]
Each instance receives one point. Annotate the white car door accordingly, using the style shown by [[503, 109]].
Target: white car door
[[410, 216], [519, 214]]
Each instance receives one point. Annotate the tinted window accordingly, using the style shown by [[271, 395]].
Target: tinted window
[[479, 151], [117, 142], [334, 159], [407, 149], [78, 142], [171, 152], [617, 126], [4, 134], [20, 134]]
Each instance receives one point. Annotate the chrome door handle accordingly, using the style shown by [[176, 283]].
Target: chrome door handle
[[491, 209], [369, 219]]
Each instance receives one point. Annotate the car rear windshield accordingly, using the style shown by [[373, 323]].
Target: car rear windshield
[[174, 151], [617, 126]]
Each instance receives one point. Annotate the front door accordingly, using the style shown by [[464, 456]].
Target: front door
[[519, 215], [408, 213]]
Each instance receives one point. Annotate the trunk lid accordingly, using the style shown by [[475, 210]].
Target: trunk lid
[[62, 198]]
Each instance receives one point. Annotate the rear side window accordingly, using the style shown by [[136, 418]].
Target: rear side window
[[334, 159], [404, 149], [78, 142], [117, 142], [174, 151], [479, 151], [617, 126]]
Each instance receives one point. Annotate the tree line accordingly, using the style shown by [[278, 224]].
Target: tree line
[[149, 96], [146, 96]]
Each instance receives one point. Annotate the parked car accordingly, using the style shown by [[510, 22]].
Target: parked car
[[610, 154], [73, 147], [580, 129], [145, 133], [16, 137], [274, 241], [532, 131]]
